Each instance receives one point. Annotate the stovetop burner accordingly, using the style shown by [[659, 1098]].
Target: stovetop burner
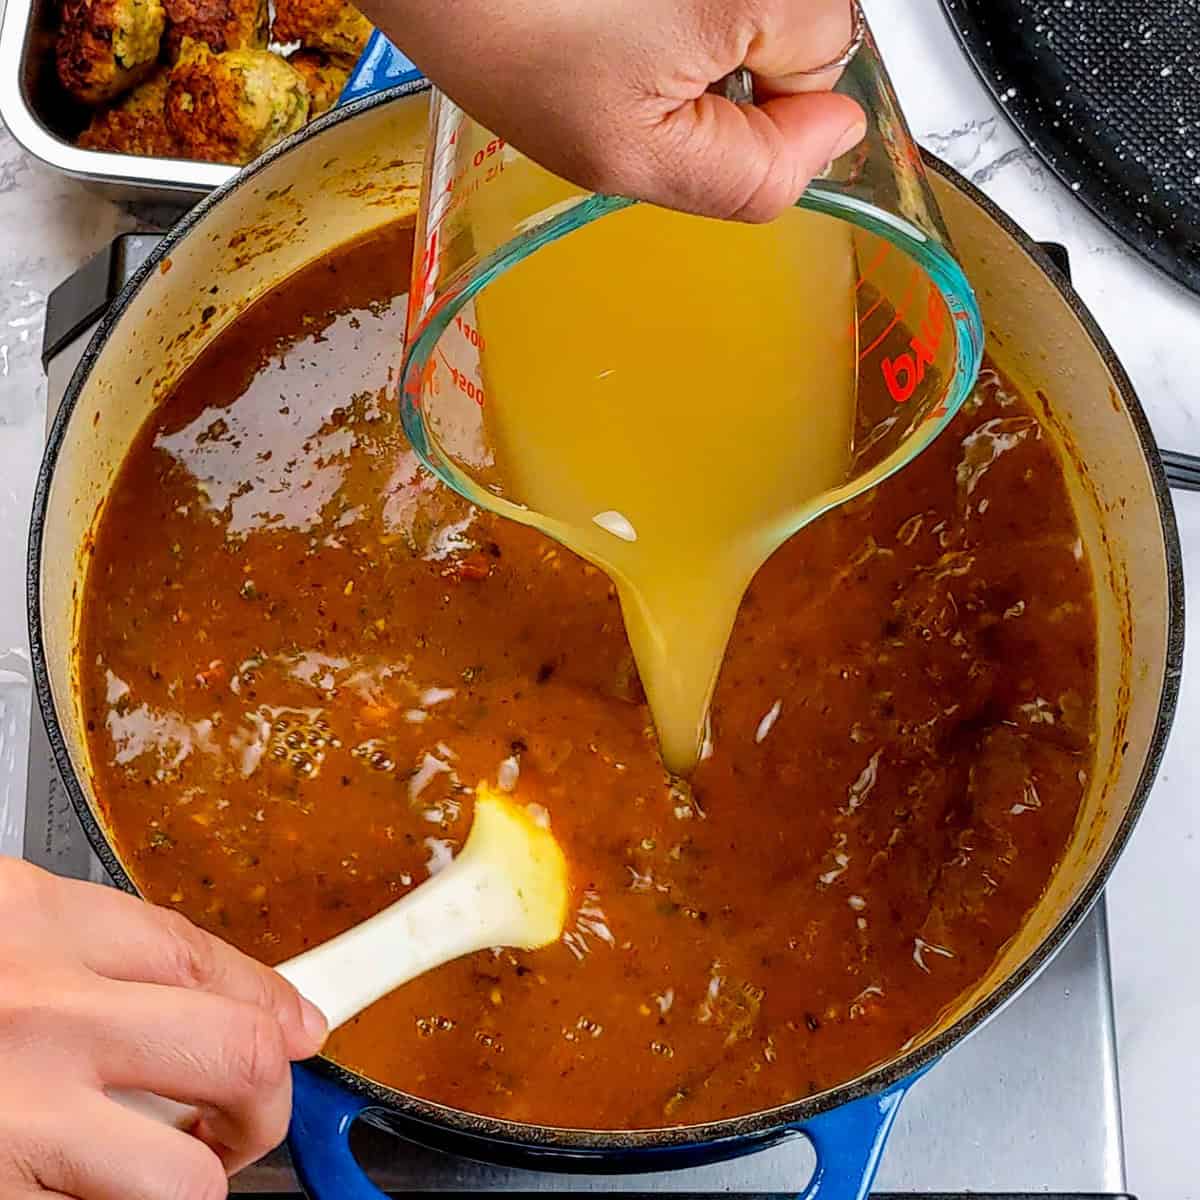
[[1028, 1105]]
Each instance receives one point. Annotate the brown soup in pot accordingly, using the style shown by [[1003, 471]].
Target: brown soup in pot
[[300, 654]]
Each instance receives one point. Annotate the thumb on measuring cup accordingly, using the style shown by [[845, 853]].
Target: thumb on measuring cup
[[750, 163]]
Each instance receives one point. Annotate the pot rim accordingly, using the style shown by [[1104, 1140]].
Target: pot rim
[[585, 1142]]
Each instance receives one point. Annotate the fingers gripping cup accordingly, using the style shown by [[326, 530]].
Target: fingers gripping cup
[[673, 397]]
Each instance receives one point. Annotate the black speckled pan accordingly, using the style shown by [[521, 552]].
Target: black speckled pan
[[1108, 94]]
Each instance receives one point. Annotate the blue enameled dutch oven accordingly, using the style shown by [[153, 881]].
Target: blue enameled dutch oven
[[358, 168]]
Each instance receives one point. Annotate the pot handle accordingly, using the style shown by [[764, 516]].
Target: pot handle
[[849, 1142], [380, 66], [319, 1139]]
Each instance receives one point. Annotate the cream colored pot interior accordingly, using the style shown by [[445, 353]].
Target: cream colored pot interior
[[364, 172]]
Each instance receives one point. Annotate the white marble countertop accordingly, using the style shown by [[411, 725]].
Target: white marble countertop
[[49, 226]]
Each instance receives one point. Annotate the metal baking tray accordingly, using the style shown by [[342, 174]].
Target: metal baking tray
[[45, 120]]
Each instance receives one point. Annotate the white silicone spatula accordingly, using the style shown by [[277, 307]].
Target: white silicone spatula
[[507, 887]]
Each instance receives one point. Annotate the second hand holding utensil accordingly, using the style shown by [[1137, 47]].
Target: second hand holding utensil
[[507, 887]]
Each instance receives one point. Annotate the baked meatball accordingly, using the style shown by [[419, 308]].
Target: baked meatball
[[136, 124], [106, 47], [334, 26], [325, 77], [220, 24], [230, 107]]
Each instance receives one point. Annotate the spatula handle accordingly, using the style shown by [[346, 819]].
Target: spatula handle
[[469, 906], [507, 888]]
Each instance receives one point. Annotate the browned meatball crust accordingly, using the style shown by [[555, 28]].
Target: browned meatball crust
[[325, 77], [334, 26], [136, 124], [219, 24], [230, 107], [106, 47]]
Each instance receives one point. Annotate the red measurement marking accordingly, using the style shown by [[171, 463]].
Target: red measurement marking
[[863, 319], [865, 277], [469, 333], [419, 298], [899, 314], [904, 373], [460, 379], [880, 255], [468, 387], [913, 153], [489, 151], [425, 272], [430, 383]]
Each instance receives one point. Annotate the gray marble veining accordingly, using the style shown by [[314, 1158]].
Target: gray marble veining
[[50, 225]]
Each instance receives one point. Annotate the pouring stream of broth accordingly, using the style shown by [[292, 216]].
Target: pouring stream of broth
[[668, 442]]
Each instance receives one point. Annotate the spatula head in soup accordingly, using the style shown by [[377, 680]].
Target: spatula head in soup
[[509, 835]]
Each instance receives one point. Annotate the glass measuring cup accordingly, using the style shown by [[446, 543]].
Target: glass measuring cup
[[504, 428], [486, 208]]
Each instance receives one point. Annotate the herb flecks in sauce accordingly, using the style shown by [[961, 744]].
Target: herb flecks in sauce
[[300, 656]]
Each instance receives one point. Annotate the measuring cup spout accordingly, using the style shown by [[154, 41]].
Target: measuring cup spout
[[561, 341]]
